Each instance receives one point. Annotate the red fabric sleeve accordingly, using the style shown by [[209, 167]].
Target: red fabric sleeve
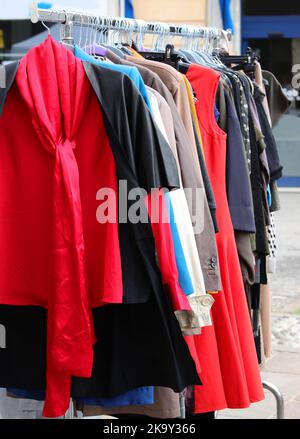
[[159, 217]]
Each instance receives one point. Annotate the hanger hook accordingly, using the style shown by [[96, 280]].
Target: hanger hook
[[80, 30], [91, 34], [47, 27], [86, 33]]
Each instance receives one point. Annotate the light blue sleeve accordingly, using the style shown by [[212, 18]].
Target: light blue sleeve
[[131, 72], [185, 280]]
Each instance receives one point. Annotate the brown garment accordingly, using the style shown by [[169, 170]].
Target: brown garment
[[177, 87], [246, 257], [195, 121], [260, 82], [191, 179], [167, 118], [221, 104], [278, 102], [166, 406], [281, 104]]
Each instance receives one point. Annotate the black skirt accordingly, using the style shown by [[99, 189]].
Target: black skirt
[[137, 345]]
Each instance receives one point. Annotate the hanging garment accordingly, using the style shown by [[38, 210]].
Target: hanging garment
[[237, 177], [271, 150], [207, 185], [153, 81], [205, 240], [192, 180], [260, 243], [23, 362], [198, 139], [185, 244], [277, 100], [259, 82], [131, 72], [246, 256], [238, 380], [176, 85], [163, 239], [69, 340], [141, 395], [184, 276]]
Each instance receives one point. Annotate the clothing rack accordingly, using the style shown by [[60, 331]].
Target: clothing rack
[[246, 62], [68, 19]]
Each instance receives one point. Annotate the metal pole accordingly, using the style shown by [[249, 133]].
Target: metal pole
[[182, 406], [66, 33], [66, 17], [278, 396]]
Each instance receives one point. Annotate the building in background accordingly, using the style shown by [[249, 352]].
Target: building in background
[[273, 29], [214, 13], [15, 25]]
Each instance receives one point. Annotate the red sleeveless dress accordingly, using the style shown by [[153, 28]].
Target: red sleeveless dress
[[226, 351]]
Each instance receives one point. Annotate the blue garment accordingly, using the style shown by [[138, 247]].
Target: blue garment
[[269, 195], [184, 278], [131, 72], [140, 396], [129, 11], [217, 113], [226, 15]]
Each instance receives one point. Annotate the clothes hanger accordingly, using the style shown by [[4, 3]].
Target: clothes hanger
[[46, 27], [95, 48], [121, 38], [66, 37], [138, 41], [80, 31], [87, 31], [163, 51], [246, 62], [202, 53]]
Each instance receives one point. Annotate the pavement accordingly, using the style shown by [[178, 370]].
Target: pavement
[[283, 369]]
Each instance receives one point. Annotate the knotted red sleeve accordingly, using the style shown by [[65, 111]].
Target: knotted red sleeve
[[54, 86]]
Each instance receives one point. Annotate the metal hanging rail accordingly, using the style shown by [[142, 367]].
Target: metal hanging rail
[[70, 18]]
